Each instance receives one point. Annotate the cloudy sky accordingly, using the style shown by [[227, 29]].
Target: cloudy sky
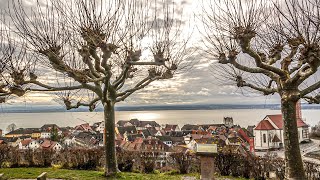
[[198, 85]]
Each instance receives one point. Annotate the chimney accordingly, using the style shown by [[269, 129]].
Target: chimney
[[298, 110]]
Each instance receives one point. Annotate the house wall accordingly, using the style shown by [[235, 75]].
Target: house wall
[[303, 134], [22, 147], [13, 135], [33, 145], [168, 143], [260, 144], [45, 135], [36, 135], [57, 147], [100, 128]]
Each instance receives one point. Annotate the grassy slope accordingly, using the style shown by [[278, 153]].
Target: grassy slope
[[32, 173], [81, 174]]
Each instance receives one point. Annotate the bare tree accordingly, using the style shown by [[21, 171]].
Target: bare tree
[[104, 49], [11, 127], [271, 47]]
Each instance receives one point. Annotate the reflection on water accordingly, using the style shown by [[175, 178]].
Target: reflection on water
[[243, 117]]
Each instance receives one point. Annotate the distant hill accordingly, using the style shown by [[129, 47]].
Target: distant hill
[[42, 109]]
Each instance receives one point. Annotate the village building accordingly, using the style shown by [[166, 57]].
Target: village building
[[34, 145], [49, 127], [68, 141], [248, 137], [18, 133], [155, 131], [228, 121], [147, 124], [36, 134], [83, 127], [51, 145], [3, 141], [98, 126], [45, 135], [166, 140], [171, 127], [123, 123], [149, 148], [268, 134], [190, 127], [24, 144]]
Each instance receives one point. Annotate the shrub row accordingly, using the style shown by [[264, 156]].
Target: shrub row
[[227, 163]]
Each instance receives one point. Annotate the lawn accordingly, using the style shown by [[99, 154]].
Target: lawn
[[32, 173]]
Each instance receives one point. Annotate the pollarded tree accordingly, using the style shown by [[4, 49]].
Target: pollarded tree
[[271, 47], [107, 49]]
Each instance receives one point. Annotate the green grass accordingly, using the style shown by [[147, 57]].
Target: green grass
[[32, 173]]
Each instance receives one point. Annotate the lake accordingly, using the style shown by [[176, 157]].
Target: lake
[[243, 117]]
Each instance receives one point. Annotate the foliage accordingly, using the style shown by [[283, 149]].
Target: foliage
[[183, 161], [54, 134], [315, 131], [227, 163]]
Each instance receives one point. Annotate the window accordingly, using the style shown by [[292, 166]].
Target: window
[[269, 137], [305, 133], [264, 138]]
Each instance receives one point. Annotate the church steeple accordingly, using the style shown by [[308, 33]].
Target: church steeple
[[298, 110]]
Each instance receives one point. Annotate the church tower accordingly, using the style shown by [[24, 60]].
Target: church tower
[[298, 110]]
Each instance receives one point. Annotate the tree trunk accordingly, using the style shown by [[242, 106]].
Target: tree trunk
[[109, 139], [293, 160]]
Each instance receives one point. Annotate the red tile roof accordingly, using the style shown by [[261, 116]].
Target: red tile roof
[[301, 123], [277, 120], [48, 144], [264, 125], [25, 142]]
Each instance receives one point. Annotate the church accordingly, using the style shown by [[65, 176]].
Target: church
[[268, 134]]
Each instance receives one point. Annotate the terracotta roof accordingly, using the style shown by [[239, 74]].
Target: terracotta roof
[[170, 127], [301, 123], [26, 142], [47, 144], [277, 120], [264, 125]]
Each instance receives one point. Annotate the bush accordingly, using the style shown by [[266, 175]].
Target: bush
[[183, 161]]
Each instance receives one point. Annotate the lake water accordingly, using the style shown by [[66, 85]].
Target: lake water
[[243, 117]]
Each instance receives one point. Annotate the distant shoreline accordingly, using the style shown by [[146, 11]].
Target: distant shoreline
[[52, 109]]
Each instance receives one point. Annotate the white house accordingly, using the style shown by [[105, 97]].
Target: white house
[[45, 135], [99, 126], [51, 145], [268, 134], [29, 144], [34, 144], [57, 147], [69, 141], [24, 144]]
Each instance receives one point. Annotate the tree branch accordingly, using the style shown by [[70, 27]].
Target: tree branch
[[265, 91], [260, 64], [143, 83], [310, 89], [91, 104], [51, 88]]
